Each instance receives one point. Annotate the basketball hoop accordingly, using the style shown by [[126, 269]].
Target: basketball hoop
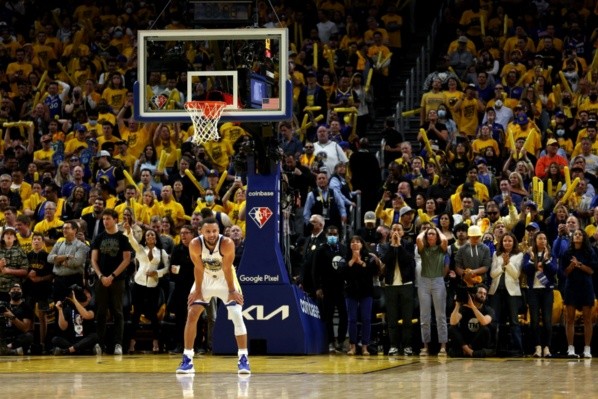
[[205, 116]]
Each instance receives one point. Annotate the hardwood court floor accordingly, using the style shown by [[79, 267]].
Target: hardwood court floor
[[334, 376]]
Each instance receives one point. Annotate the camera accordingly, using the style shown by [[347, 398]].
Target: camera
[[79, 293], [462, 294]]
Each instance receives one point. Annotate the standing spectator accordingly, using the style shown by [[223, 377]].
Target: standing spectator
[[110, 256], [505, 290], [152, 264], [399, 277], [365, 174], [461, 59], [13, 263], [473, 259], [393, 139], [431, 100], [540, 268], [310, 247], [578, 264], [50, 226], [467, 108], [38, 286], [94, 219], [324, 201], [432, 246], [289, 142], [328, 282], [328, 151], [69, 258], [359, 273]]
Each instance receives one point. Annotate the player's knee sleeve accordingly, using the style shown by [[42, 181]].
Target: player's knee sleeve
[[236, 315]]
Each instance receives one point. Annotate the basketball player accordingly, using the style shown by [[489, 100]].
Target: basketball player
[[213, 255]]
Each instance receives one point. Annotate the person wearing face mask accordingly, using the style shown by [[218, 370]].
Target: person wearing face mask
[[209, 201], [504, 114], [328, 284], [445, 117], [562, 136], [17, 318]]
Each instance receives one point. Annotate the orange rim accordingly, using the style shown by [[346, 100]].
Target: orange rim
[[211, 109]]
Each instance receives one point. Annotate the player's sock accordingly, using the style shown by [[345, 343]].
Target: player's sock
[[189, 353]]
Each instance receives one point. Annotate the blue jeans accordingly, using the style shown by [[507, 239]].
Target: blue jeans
[[365, 310], [432, 290]]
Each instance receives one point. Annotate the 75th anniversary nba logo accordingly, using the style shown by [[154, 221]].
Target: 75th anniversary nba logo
[[260, 215]]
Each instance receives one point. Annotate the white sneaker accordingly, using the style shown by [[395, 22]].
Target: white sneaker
[[97, 349], [118, 350], [538, 352], [587, 352], [393, 351], [331, 348]]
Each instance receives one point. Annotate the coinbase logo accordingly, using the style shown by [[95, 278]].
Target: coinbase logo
[[260, 215]]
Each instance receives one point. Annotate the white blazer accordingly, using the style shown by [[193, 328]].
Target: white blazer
[[145, 265], [512, 272]]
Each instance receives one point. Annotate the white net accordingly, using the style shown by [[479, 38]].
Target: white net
[[205, 116]]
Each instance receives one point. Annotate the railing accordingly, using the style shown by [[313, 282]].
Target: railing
[[411, 95]]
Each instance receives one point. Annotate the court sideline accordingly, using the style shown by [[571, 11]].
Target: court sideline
[[150, 376]]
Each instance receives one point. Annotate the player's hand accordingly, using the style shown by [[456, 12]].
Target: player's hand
[[195, 296], [236, 296]]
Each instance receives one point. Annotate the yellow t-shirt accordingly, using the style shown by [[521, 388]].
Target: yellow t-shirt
[[136, 140], [468, 117], [73, 145], [220, 153], [431, 100], [115, 97], [43, 155], [44, 228], [137, 210], [478, 145], [172, 209]]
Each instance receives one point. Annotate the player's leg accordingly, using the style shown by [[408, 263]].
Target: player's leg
[[236, 315], [193, 313]]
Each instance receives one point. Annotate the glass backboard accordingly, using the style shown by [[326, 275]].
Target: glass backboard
[[246, 68]]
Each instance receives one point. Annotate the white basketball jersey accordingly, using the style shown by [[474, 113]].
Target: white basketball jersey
[[212, 260]]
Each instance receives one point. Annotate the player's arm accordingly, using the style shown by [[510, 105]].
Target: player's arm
[[195, 253], [227, 249]]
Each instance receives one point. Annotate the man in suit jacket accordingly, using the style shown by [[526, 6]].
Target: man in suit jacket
[[312, 244], [94, 219]]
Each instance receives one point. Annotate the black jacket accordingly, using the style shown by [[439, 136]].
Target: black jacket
[[406, 262]]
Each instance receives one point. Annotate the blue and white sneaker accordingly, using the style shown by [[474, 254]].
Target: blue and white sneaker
[[186, 366], [244, 365]]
